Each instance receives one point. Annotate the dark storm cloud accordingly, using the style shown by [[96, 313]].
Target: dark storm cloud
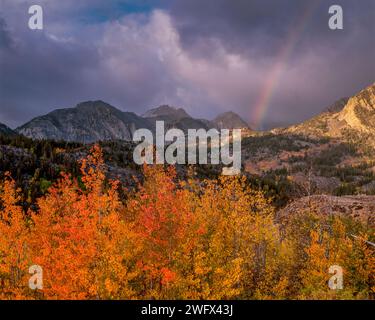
[[341, 62], [241, 24], [5, 38], [249, 21], [207, 56], [38, 72]]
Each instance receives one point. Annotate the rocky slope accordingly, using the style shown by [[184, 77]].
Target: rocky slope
[[332, 153], [346, 118], [88, 122], [361, 208]]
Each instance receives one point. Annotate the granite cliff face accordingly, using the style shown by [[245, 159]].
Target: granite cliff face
[[347, 117], [359, 112], [88, 122]]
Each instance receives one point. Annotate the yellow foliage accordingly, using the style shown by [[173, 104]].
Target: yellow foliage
[[216, 239]]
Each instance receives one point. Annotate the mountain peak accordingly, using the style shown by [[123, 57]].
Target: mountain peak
[[94, 105], [229, 120], [88, 122], [167, 111], [359, 112], [337, 106]]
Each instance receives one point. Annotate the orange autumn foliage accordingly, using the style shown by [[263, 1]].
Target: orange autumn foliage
[[169, 239], [14, 251]]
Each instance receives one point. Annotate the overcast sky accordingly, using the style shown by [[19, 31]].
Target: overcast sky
[[273, 62]]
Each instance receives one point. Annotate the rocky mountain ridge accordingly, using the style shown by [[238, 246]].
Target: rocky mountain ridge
[[344, 119], [88, 122], [347, 118], [98, 121]]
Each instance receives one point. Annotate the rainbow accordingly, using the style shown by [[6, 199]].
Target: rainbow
[[265, 96]]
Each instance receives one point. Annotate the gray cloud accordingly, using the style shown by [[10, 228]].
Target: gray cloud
[[207, 56], [5, 38], [242, 24], [323, 64]]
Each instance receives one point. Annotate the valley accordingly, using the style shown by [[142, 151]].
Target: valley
[[317, 157]]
